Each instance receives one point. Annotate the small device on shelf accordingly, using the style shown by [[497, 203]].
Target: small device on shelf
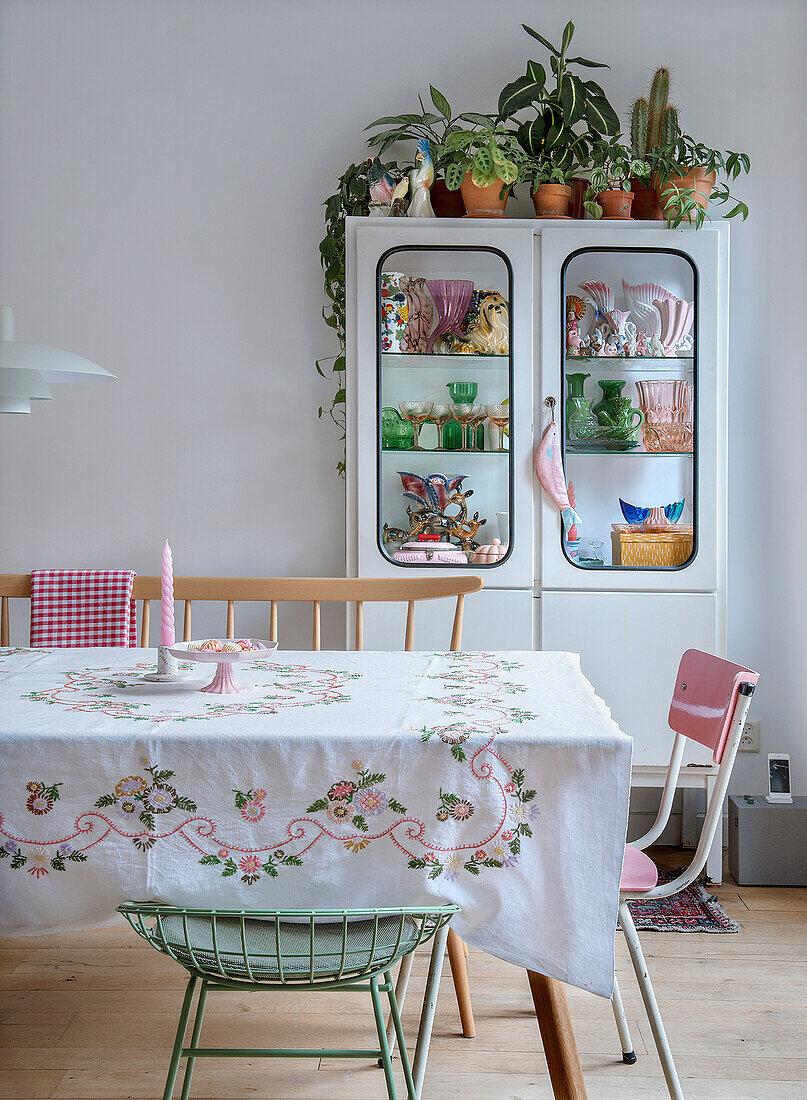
[[778, 778]]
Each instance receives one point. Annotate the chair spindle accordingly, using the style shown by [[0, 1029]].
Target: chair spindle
[[273, 621], [186, 626], [5, 628], [230, 619], [316, 644], [409, 637], [145, 623], [359, 625]]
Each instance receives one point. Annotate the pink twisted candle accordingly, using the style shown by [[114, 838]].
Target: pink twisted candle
[[167, 636]]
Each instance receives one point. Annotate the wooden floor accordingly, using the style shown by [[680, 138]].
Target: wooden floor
[[93, 1015]]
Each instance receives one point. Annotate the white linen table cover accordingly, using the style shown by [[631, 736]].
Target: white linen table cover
[[497, 781]]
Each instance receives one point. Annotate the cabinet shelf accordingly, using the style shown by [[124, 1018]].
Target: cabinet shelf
[[444, 451], [396, 360], [609, 360], [632, 454]]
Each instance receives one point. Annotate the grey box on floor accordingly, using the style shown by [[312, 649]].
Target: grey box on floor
[[767, 843]]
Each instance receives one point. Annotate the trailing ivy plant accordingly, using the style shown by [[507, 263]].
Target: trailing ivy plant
[[352, 196], [675, 159], [567, 117]]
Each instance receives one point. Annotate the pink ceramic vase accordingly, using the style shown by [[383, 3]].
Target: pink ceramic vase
[[676, 321]]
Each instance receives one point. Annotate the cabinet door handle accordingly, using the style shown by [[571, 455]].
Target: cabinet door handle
[[550, 404]]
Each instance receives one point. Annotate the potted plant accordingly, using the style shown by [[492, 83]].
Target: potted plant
[[566, 118], [685, 177], [484, 164], [613, 167], [684, 172], [549, 186], [436, 127]]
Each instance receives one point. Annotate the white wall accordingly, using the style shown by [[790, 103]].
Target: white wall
[[162, 163]]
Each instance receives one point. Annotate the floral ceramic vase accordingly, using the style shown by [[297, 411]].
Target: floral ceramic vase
[[611, 388], [581, 423]]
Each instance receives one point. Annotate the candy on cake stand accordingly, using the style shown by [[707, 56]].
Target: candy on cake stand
[[224, 655]]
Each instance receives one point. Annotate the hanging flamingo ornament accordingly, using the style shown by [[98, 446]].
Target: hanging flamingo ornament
[[549, 471]]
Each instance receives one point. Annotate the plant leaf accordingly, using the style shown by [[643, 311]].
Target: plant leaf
[[541, 39], [601, 116], [524, 91], [455, 174], [573, 98], [568, 34], [588, 64], [440, 102]]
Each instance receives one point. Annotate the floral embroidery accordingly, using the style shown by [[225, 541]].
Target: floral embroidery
[[103, 690], [354, 811], [357, 800], [251, 803], [135, 798], [41, 797], [453, 806]]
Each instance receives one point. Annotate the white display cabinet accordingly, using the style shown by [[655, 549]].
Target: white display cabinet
[[628, 603]]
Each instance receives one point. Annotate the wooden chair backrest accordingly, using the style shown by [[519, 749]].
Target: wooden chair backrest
[[275, 590]]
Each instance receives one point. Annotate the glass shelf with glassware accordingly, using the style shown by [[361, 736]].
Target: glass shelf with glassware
[[445, 371], [630, 373]]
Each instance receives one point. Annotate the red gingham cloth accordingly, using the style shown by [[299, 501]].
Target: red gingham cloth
[[82, 607]]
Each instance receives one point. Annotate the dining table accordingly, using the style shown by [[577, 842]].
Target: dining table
[[494, 780]]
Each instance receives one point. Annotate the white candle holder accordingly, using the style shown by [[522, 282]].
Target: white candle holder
[[167, 668]]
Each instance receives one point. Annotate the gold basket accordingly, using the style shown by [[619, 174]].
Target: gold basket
[[635, 545]]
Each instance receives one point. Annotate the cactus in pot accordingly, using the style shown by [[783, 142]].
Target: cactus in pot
[[638, 128], [657, 107]]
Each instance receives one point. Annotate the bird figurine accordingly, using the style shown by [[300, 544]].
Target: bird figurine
[[422, 178], [398, 206], [382, 183]]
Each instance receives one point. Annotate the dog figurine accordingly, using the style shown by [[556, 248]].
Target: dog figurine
[[490, 335]]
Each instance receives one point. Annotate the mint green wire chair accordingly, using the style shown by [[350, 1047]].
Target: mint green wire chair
[[352, 950]]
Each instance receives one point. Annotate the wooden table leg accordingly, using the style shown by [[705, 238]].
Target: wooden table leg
[[557, 1035], [459, 974]]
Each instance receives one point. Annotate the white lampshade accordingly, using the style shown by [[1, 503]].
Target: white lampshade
[[18, 388], [25, 369]]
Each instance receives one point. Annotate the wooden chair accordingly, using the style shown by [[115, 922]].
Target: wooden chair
[[316, 591], [275, 590]]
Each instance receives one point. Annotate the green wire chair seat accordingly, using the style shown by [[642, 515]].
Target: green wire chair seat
[[234, 949], [292, 949]]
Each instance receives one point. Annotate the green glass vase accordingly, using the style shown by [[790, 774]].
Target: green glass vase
[[581, 423], [611, 388]]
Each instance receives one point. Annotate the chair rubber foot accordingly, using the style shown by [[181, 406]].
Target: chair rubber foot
[[629, 1058]]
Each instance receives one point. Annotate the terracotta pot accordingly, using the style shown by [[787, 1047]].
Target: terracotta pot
[[697, 178], [615, 203], [483, 202], [445, 203], [646, 207], [579, 186], [551, 200]]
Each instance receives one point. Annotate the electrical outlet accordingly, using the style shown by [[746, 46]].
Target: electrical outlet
[[749, 742]]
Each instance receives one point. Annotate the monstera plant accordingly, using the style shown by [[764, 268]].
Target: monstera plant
[[564, 117]]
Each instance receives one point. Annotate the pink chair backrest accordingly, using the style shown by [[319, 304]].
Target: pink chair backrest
[[703, 701]]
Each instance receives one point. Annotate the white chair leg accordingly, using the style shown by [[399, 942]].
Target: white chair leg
[[650, 1003], [628, 1053], [429, 1007], [400, 994]]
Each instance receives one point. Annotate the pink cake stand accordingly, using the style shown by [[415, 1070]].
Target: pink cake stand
[[223, 683]]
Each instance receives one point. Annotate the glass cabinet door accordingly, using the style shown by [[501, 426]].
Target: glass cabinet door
[[629, 411], [445, 475]]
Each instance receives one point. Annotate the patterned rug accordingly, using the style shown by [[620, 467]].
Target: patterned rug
[[693, 910]]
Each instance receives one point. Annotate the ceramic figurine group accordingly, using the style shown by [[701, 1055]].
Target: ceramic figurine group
[[661, 328], [388, 195]]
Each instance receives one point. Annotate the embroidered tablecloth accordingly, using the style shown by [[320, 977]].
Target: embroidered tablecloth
[[497, 781]]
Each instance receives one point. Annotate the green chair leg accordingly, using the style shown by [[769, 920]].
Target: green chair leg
[[183, 1023], [197, 1030], [395, 1012], [386, 1060]]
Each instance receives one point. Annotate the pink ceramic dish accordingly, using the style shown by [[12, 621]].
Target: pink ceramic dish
[[431, 553], [223, 682]]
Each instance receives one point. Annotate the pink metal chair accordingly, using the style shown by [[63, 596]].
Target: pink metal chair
[[709, 705]]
